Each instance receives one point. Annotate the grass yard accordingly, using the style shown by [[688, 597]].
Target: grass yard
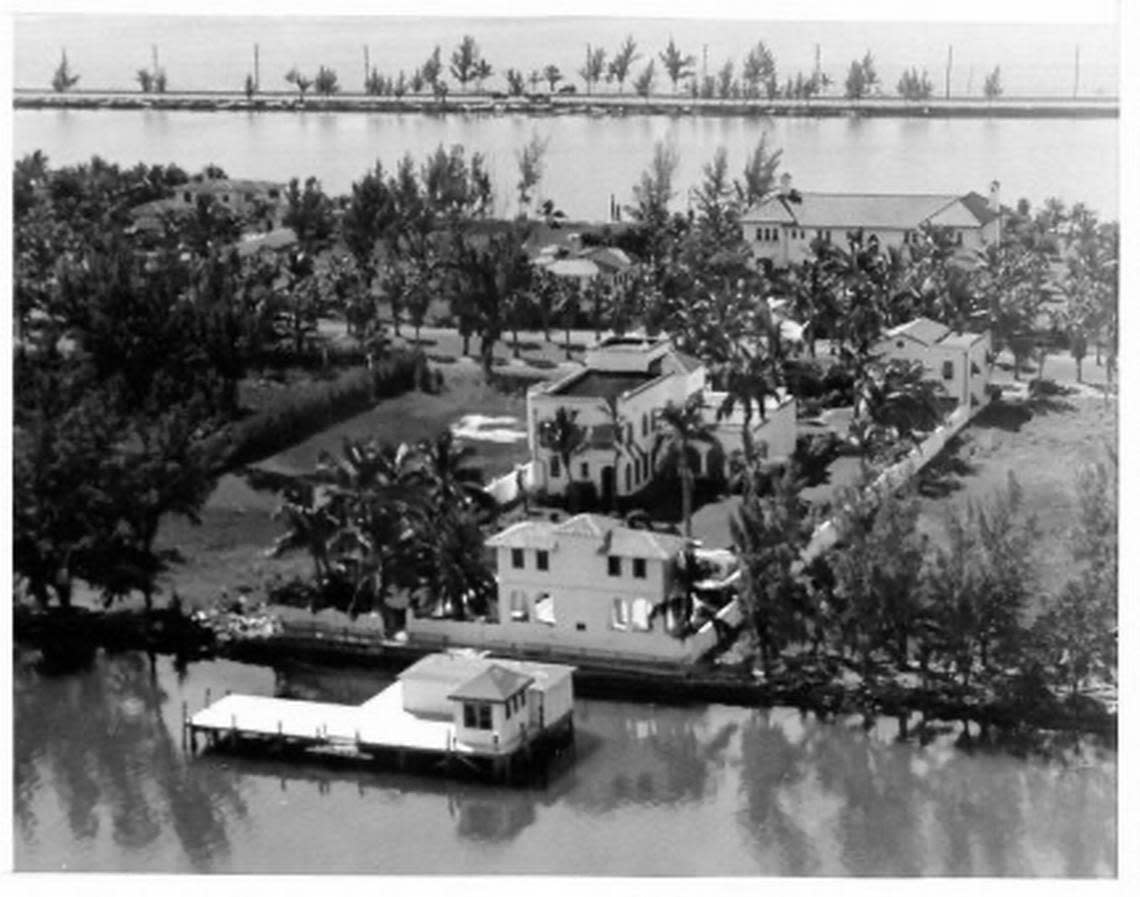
[[227, 551], [1044, 450]]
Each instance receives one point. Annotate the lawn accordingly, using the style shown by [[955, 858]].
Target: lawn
[[227, 551], [1044, 451]]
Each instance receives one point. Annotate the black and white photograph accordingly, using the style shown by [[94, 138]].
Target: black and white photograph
[[638, 441]]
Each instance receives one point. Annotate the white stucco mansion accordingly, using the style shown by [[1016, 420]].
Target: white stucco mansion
[[627, 380], [781, 228]]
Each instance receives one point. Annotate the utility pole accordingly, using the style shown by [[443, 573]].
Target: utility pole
[[367, 68], [949, 66], [587, 69], [256, 67], [154, 57], [817, 65], [1077, 71], [704, 64]]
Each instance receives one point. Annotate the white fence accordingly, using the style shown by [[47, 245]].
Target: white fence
[[827, 533], [495, 637]]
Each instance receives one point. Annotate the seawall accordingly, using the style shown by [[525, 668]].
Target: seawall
[[576, 104]]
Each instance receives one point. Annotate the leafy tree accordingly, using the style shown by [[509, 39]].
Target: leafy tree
[[369, 218], [298, 80], [759, 177], [992, 88], [530, 161], [878, 571], [145, 79], [861, 78], [1008, 283], [483, 71], [250, 87], [678, 65], [552, 75], [325, 83], [759, 72], [894, 401], [654, 190], [594, 68], [680, 428], [770, 532], [978, 587], [726, 85], [643, 84], [63, 80], [309, 212], [913, 86], [465, 61], [516, 83], [622, 61], [431, 69]]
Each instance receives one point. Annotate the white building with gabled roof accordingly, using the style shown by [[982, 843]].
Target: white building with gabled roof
[[589, 586], [958, 361], [616, 400], [782, 228]]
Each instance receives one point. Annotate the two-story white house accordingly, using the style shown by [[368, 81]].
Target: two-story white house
[[587, 585], [781, 229], [616, 399], [959, 361]]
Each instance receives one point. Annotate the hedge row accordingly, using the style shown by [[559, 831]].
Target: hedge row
[[306, 410]]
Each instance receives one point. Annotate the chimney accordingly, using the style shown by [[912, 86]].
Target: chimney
[[994, 203], [786, 184]]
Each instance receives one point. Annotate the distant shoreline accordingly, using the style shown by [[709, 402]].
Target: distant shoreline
[[577, 104]]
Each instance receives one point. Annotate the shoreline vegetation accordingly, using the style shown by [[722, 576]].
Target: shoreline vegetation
[[69, 637], [599, 105]]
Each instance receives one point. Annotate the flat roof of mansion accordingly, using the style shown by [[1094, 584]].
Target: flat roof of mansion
[[604, 384]]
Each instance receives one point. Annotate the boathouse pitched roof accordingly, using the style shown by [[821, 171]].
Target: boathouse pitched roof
[[496, 684]]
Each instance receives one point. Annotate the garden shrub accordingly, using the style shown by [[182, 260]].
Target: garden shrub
[[307, 410]]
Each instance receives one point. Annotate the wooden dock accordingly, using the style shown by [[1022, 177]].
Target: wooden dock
[[379, 730]]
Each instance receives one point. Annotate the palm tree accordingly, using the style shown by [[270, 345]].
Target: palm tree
[[311, 526], [452, 481], [680, 429], [565, 437], [617, 424], [568, 299], [895, 401]]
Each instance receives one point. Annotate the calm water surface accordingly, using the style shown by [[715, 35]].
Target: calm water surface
[[590, 158], [101, 783]]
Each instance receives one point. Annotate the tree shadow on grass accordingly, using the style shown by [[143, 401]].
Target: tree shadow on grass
[[944, 474], [1003, 416]]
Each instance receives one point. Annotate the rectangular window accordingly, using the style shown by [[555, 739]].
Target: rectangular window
[[585, 470], [760, 235], [581, 627], [520, 613], [470, 717], [947, 370], [555, 468], [518, 558], [639, 568], [958, 238], [614, 565], [510, 701], [619, 614], [542, 559], [484, 716]]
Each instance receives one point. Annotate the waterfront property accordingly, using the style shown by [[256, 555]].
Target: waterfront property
[[616, 400], [959, 361], [591, 587], [260, 202], [466, 708], [781, 229]]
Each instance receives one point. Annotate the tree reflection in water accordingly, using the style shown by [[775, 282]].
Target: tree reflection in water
[[106, 746]]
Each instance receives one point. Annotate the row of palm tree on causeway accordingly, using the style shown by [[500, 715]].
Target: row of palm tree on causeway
[[388, 527]]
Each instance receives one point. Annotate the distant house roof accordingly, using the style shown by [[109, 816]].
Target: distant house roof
[[922, 330], [496, 683], [233, 185], [278, 238], [612, 537], [961, 340], [573, 268], [873, 210], [608, 257]]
